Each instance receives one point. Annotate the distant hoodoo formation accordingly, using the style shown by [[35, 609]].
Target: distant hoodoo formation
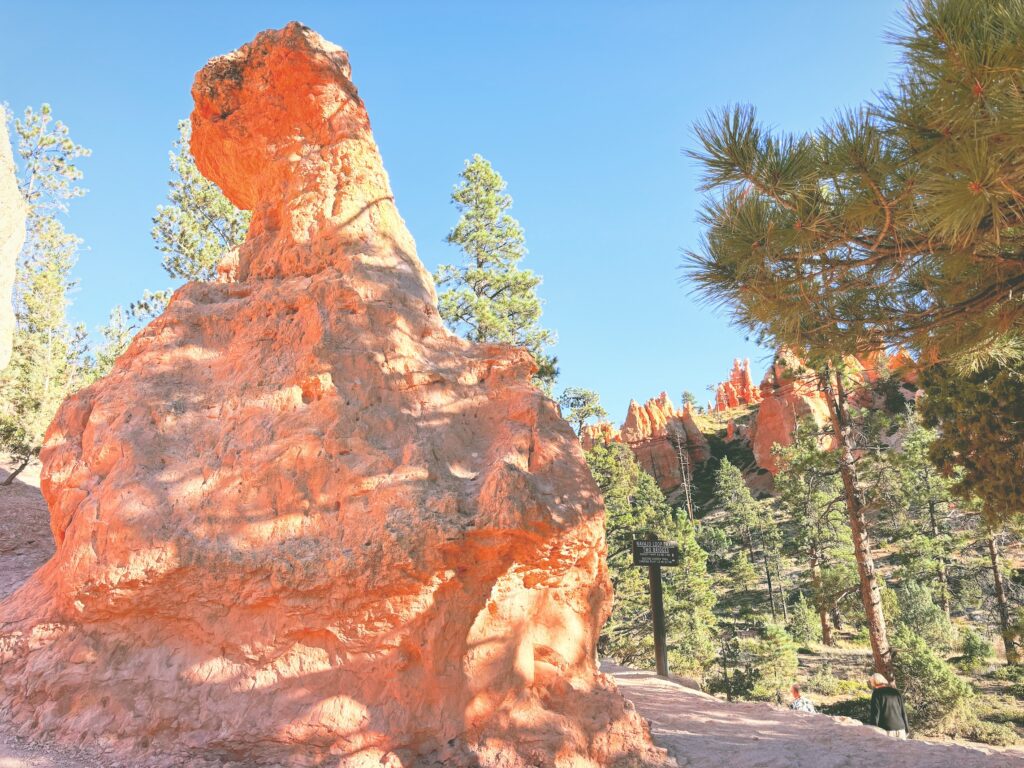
[[300, 523], [738, 390], [12, 237], [666, 441]]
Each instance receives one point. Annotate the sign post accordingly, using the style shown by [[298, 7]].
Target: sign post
[[655, 554]]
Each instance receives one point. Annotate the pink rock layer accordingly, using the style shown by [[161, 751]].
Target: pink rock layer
[[301, 523]]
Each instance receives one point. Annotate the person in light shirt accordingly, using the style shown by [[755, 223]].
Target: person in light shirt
[[799, 703]]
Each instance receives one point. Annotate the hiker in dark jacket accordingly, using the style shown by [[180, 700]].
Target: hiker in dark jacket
[[887, 710]]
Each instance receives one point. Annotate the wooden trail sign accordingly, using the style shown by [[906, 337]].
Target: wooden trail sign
[[654, 554]]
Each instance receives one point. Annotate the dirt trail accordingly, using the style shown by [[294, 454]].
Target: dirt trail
[[697, 729], [700, 730]]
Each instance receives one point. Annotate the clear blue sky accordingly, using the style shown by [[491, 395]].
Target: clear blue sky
[[584, 107]]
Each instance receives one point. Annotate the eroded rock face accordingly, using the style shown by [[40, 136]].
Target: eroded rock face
[[739, 389], [664, 439], [12, 237], [300, 523], [599, 433], [789, 394]]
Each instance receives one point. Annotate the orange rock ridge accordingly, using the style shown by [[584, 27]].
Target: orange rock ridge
[[661, 436], [301, 523], [790, 393], [739, 389]]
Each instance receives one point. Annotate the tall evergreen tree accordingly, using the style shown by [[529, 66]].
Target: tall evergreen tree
[[896, 223], [117, 335], [194, 230], [488, 298], [634, 505], [49, 354], [579, 406], [810, 493], [752, 524], [926, 500], [199, 224]]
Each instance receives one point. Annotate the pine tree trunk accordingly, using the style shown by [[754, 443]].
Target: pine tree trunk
[[782, 590], [771, 590], [869, 592], [10, 478], [943, 578], [819, 602], [1009, 641], [725, 674]]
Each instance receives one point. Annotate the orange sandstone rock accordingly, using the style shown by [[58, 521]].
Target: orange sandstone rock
[[663, 439], [602, 432], [902, 365], [739, 389], [790, 394], [301, 523]]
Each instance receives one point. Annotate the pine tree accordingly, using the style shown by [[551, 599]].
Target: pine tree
[[579, 406], [775, 661], [1008, 629], [980, 439], [49, 354], [634, 505], [488, 298], [926, 498], [752, 524], [117, 335], [692, 647], [805, 627], [898, 223], [199, 224], [810, 494]]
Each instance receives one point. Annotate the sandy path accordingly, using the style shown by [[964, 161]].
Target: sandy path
[[700, 730], [25, 544]]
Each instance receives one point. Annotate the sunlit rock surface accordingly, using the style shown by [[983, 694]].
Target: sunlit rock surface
[[739, 389], [790, 393], [665, 440], [12, 237], [300, 523]]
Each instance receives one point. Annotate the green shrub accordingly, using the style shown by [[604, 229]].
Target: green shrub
[[935, 696], [1011, 672], [988, 733], [919, 613], [976, 651], [774, 659], [823, 682], [804, 624]]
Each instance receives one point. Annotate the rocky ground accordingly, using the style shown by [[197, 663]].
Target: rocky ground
[[697, 729]]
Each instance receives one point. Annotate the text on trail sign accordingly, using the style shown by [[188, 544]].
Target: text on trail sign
[[655, 552]]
